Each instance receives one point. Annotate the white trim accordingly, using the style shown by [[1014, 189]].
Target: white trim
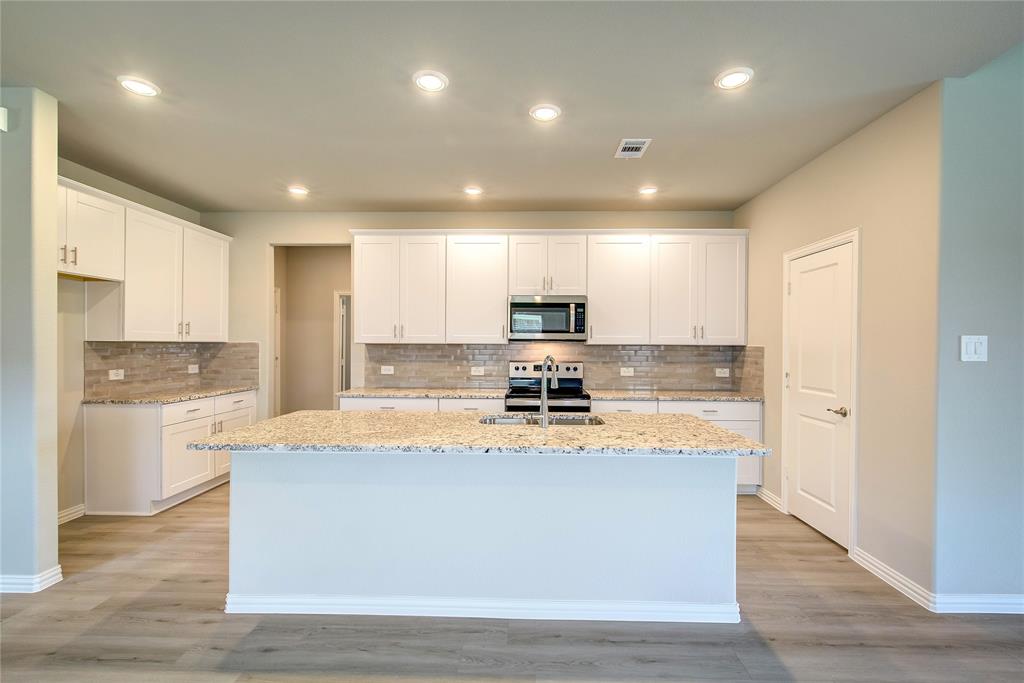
[[942, 603], [68, 514], [550, 231], [28, 583], [599, 610], [771, 498], [848, 237], [746, 489]]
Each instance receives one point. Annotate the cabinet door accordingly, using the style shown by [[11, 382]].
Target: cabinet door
[[748, 469], [477, 289], [181, 468], [471, 405], [674, 289], [382, 403], [95, 236], [421, 283], [601, 406], [225, 423], [375, 288], [152, 287], [619, 289], [63, 265], [723, 297], [567, 264], [527, 264], [204, 282]]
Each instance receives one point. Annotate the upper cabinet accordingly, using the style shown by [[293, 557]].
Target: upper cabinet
[[204, 287], [619, 289], [399, 285], [674, 289], [723, 290], [547, 264], [90, 235], [153, 284], [477, 289]]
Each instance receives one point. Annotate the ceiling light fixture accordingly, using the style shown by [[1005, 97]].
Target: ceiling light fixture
[[430, 81], [648, 190], [545, 112], [139, 86], [298, 190], [473, 190], [734, 78]]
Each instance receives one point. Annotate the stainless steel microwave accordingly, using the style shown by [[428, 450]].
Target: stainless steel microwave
[[562, 318]]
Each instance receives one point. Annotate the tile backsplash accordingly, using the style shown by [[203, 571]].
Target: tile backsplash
[[654, 367], [163, 366]]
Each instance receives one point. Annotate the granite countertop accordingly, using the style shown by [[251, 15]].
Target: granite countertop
[[461, 392], [671, 395], [172, 396], [460, 433]]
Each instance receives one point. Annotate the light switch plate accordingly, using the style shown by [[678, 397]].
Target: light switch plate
[[115, 374], [625, 372], [387, 369], [974, 347], [721, 372], [477, 372], [193, 368]]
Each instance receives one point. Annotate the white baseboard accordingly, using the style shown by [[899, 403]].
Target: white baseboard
[[28, 583], [770, 498], [68, 514], [942, 603], [596, 610], [746, 489]]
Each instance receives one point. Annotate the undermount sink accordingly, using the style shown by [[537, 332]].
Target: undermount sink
[[562, 420]]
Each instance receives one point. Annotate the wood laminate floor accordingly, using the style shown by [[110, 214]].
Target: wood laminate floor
[[142, 600]]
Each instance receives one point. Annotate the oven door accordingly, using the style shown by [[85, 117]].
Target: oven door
[[550, 317]]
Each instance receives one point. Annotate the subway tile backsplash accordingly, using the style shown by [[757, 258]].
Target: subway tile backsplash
[[163, 366], [654, 367]]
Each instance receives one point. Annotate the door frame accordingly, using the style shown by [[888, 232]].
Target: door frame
[[336, 342], [849, 237]]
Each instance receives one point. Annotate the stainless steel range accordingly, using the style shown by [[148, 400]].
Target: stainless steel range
[[565, 394]]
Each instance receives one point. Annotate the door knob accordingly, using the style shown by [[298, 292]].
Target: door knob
[[841, 412]]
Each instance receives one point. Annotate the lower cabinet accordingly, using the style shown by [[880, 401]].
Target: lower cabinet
[[742, 417], [226, 422], [181, 469], [611, 406], [382, 403], [472, 405]]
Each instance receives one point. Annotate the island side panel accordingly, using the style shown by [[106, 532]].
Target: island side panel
[[511, 535]]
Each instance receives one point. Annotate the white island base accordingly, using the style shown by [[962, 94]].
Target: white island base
[[521, 536]]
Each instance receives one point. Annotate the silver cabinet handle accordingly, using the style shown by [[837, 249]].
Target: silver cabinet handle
[[220, 426], [401, 331], [694, 331], [213, 428], [192, 410], [64, 254], [701, 331], [708, 411], [238, 400], [623, 410], [188, 328], [551, 283], [74, 256], [841, 412], [503, 331], [179, 327], [591, 332], [387, 407], [471, 409], [394, 331]]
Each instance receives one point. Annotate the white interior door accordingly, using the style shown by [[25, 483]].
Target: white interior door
[[527, 264], [204, 299], [819, 437]]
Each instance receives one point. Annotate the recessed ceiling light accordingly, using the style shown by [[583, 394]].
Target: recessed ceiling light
[[139, 86], [430, 81], [473, 190], [545, 112], [734, 78], [648, 190], [298, 190]]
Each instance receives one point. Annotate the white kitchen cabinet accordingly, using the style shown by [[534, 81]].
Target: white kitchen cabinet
[[547, 264], [227, 422], [619, 289], [181, 468], [600, 406], [674, 289], [153, 272], [90, 235], [723, 290], [375, 277], [204, 293], [473, 405], [477, 289], [742, 417], [384, 403]]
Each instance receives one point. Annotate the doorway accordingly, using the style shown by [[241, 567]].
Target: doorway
[[819, 393]]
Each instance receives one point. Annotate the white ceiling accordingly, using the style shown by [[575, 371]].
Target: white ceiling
[[257, 95]]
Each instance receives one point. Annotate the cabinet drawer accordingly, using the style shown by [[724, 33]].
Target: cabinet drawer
[[426, 404], [228, 402], [483, 405], [174, 413], [599, 406], [714, 410]]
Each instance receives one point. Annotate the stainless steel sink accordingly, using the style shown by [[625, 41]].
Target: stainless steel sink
[[573, 419]]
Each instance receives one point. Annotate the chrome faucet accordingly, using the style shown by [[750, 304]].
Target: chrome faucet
[[544, 387]]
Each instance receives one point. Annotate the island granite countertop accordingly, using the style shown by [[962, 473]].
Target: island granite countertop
[[596, 394], [460, 433], [172, 396]]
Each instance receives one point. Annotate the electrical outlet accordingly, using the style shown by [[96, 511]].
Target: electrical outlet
[[387, 369], [115, 374], [721, 372], [193, 368], [625, 372], [477, 372]]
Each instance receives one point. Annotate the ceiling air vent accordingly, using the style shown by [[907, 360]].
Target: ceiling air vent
[[632, 148]]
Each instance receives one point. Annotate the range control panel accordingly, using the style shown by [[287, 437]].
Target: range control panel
[[530, 368]]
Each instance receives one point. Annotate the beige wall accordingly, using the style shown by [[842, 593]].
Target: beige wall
[[255, 233], [70, 393], [883, 180], [313, 275]]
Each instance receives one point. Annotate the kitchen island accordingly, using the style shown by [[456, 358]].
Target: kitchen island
[[437, 514]]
